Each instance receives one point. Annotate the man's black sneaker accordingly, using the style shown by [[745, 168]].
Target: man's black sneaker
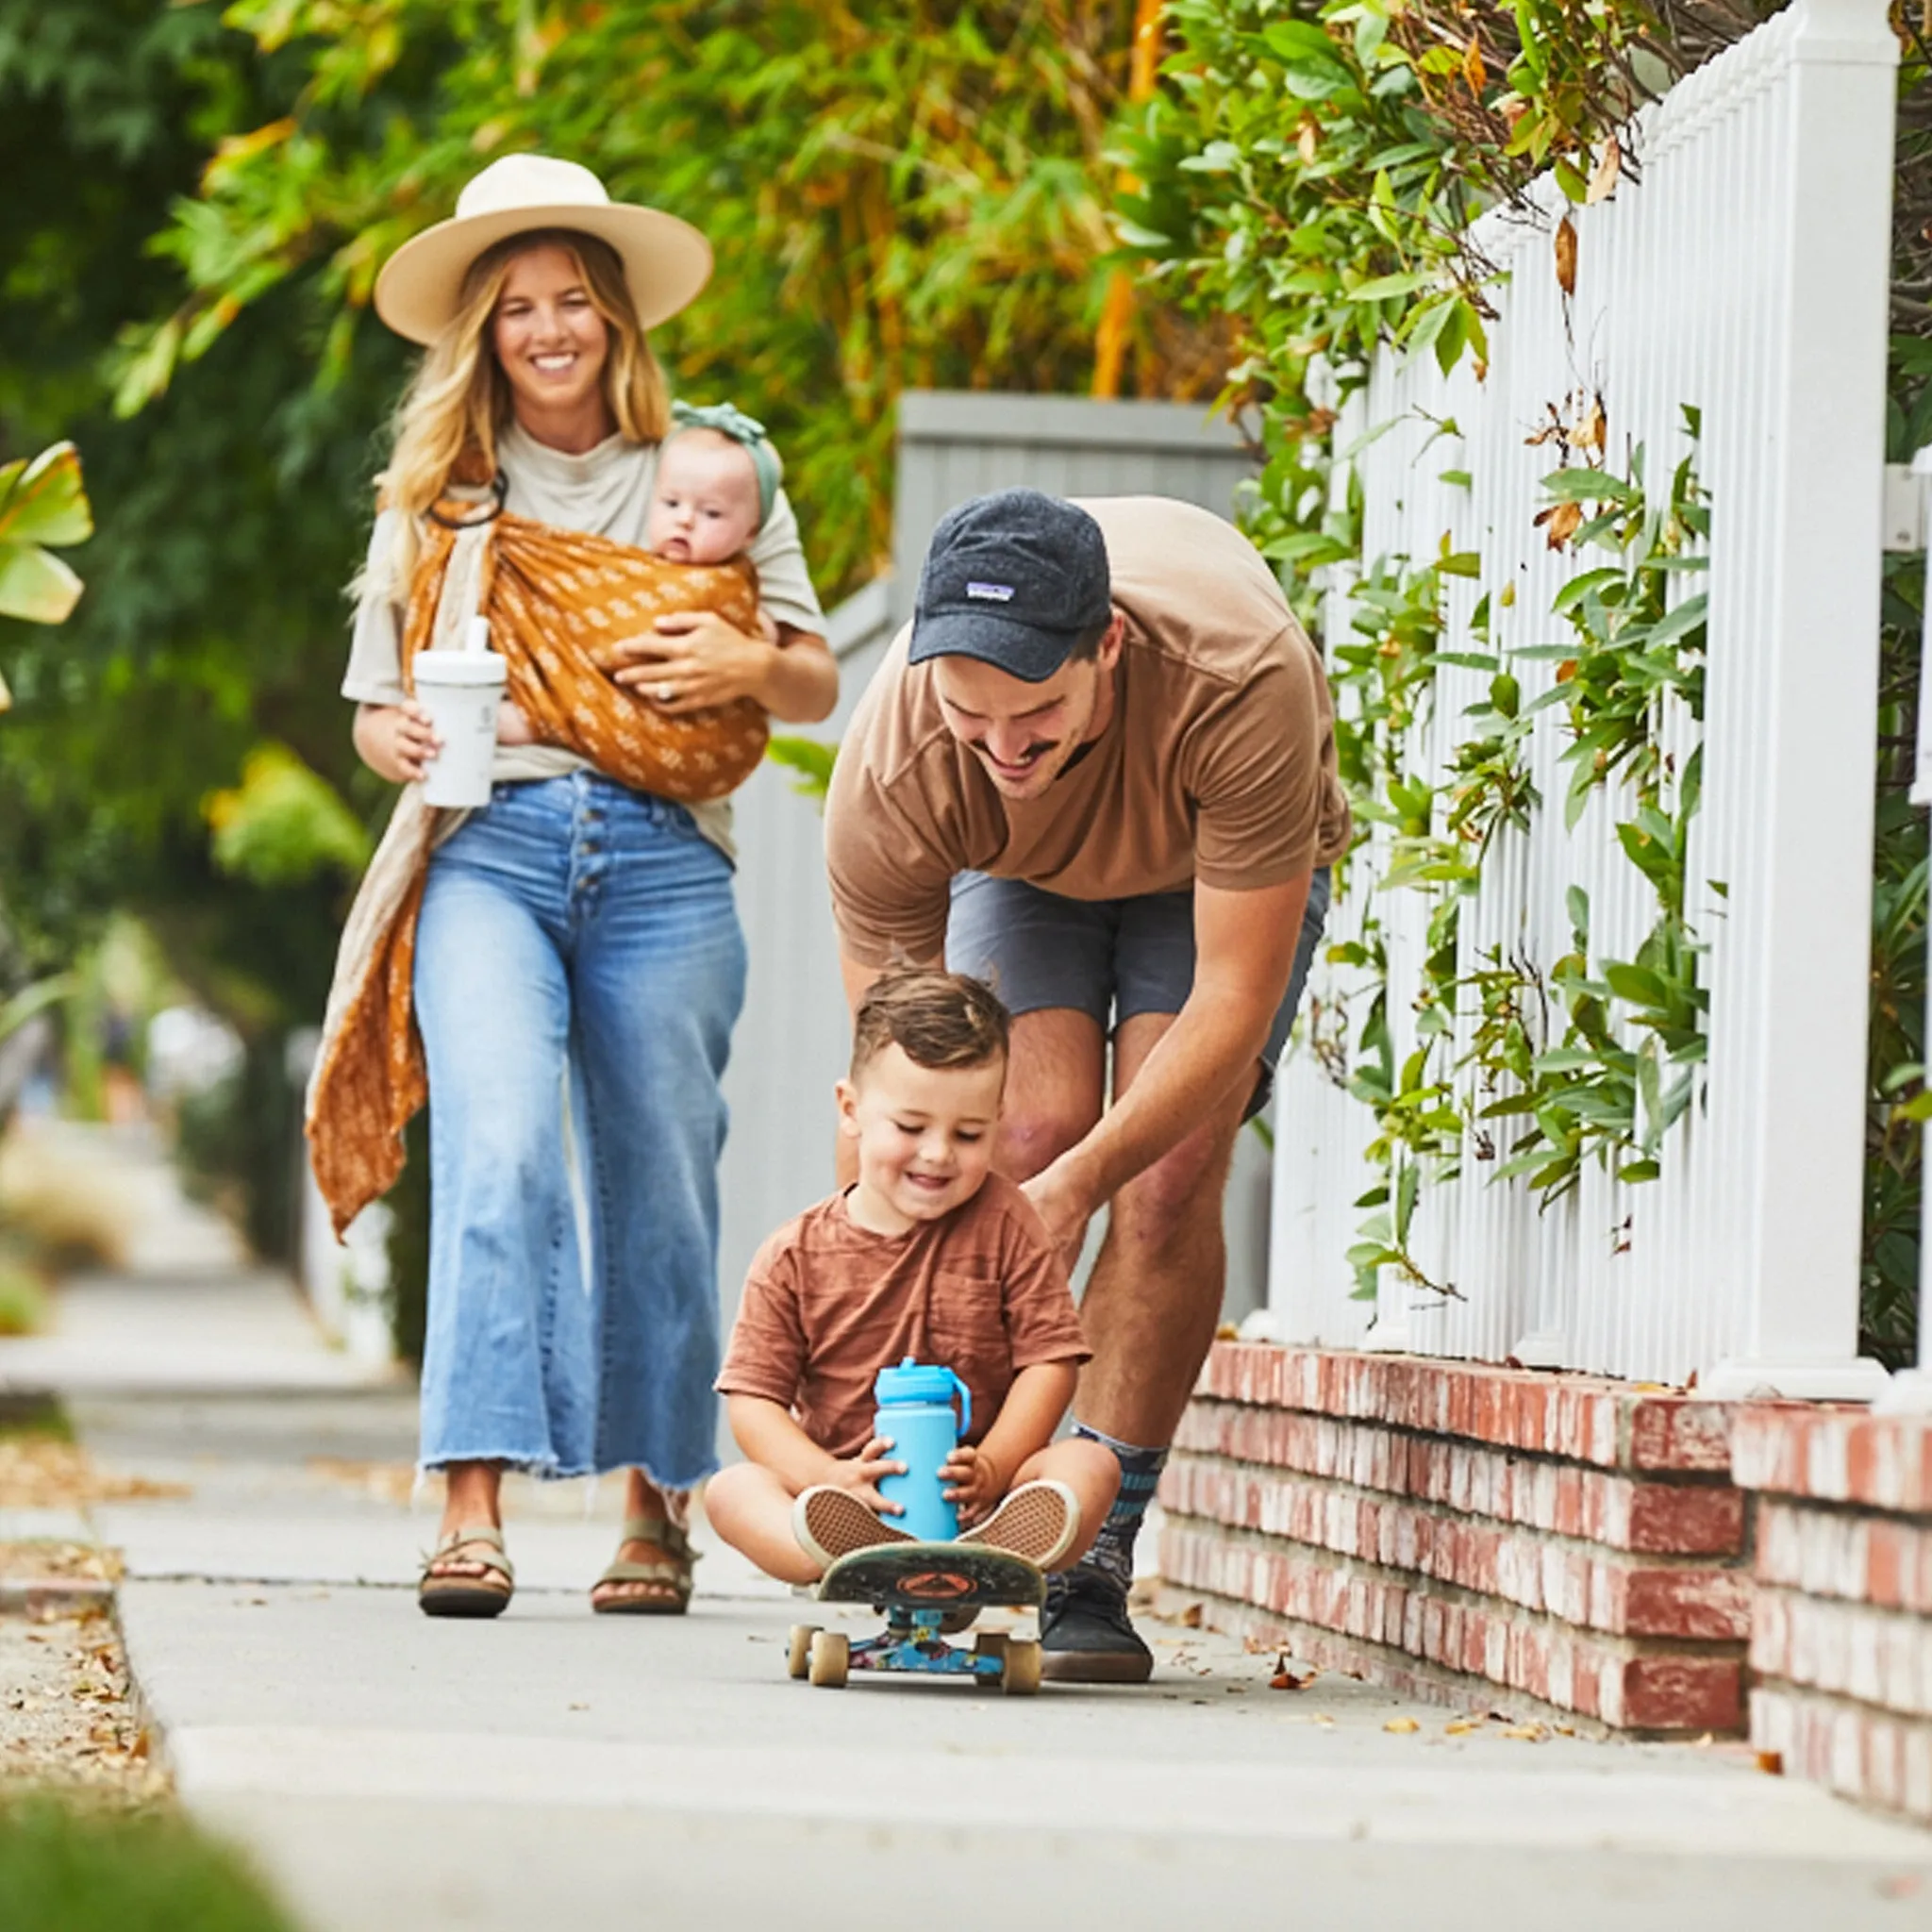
[[1086, 1636]]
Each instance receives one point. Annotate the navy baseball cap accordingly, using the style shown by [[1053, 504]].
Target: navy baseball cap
[[1015, 579]]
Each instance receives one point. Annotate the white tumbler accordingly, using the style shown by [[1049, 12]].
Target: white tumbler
[[461, 690]]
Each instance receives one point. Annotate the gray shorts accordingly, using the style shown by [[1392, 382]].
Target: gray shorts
[[1109, 959]]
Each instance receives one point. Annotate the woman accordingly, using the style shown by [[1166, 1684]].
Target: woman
[[576, 935]]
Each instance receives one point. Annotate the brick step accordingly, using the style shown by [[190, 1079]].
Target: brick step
[[1623, 1513], [1625, 1681], [1574, 1581], [1875, 1756], [1836, 1455], [1851, 1650], [1875, 1559], [1581, 1418], [1373, 1663]]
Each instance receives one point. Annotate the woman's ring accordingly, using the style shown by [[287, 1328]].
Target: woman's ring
[[666, 692]]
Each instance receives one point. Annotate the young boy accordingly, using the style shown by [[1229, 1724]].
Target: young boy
[[929, 1254]]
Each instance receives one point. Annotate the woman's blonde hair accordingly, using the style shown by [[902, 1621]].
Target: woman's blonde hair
[[458, 404]]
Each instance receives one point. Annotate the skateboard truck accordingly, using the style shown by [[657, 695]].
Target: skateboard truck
[[921, 1589]]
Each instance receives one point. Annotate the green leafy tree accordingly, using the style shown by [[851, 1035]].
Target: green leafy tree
[[895, 195]]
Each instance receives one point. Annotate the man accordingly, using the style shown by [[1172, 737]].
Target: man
[[1099, 772]]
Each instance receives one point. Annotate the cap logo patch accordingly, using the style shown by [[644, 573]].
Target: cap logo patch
[[993, 593]]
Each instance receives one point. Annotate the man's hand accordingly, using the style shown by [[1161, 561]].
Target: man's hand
[[861, 1474], [1064, 1203], [397, 741], [976, 1482]]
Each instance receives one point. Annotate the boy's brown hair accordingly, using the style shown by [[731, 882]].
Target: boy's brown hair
[[935, 1019]]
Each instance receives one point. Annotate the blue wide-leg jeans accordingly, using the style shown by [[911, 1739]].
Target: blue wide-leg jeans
[[575, 927]]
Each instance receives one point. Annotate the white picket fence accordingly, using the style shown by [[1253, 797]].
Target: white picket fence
[[1744, 273]]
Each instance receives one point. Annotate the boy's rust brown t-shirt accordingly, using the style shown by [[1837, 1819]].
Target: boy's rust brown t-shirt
[[828, 1303], [1218, 764]]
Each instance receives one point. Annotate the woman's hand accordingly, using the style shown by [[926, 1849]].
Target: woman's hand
[[397, 741], [861, 1474], [976, 1482], [692, 659]]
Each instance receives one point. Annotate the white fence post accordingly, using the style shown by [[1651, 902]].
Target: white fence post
[[1805, 1144]]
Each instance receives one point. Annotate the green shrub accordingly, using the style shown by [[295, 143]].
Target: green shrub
[[22, 1300], [64, 1869]]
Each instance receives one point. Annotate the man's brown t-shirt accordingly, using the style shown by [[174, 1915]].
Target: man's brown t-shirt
[[1218, 764], [828, 1303]]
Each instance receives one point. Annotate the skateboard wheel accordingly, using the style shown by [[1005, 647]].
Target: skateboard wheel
[[798, 1653], [992, 1643], [830, 1657], [1021, 1675]]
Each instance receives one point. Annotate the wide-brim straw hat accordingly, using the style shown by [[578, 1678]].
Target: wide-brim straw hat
[[666, 261]]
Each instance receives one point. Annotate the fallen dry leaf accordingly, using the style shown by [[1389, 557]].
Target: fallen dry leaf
[[1460, 1727], [1189, 1617], [41, 1473], [1771, 1763], [1284, 1679], [1529, 1733], [1566, 256], [1403, 1725]]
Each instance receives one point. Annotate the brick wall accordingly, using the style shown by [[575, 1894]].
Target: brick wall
[[1841, 1622], [1481, 1535]]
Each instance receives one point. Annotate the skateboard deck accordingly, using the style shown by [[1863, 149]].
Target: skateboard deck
[[932, 1576], [921, 1589]]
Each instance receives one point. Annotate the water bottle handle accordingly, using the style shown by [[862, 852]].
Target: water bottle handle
[[965, 1395]]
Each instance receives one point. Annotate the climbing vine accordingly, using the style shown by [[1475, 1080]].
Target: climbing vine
[[1536, 1069]]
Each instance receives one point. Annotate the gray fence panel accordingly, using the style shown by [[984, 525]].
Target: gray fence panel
[[790, 1045]]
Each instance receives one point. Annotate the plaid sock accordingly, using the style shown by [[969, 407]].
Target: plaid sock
[[1113, 1548]]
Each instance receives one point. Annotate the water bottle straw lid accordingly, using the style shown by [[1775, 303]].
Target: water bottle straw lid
[[915, 1381]]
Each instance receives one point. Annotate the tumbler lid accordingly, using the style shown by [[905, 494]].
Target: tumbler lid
[[914, 1381]]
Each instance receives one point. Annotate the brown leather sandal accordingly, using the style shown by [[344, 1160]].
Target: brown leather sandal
[[668, 1576], [442, 1594]]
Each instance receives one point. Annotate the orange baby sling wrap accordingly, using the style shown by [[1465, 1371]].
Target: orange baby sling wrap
[[559, 603]]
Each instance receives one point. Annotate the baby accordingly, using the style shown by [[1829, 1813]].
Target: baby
[[716, 479], [717, 476], [929, 1254]]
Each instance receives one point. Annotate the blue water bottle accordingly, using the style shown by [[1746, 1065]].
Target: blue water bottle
[[915, 1412]]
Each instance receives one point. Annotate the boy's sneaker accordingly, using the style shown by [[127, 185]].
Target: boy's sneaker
[[1086, 1636], [1038, 1521], [830, 1522]]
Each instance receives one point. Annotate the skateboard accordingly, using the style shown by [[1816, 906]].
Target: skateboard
[[924, 1591]]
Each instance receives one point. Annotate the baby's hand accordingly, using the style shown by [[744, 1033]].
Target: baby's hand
[[976, 1482], [861, 1474]]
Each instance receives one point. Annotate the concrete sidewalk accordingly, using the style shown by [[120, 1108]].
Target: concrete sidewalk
[[554, 1767]]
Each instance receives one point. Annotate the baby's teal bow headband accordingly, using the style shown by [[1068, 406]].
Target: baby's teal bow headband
[[728, 419]]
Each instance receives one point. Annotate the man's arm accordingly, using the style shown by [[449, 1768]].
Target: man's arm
[[1244, 945]]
